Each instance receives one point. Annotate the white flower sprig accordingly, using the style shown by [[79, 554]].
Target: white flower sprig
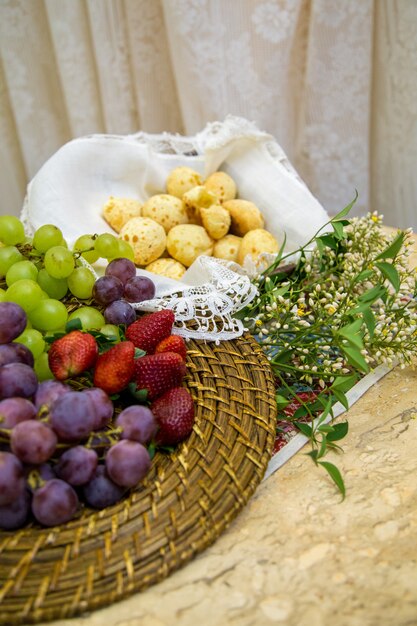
[[348, 304]]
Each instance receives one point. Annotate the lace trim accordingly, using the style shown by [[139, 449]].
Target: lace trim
[[209, 306]]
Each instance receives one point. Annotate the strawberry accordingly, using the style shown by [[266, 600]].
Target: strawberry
[[72, 354], [115, 368], [174, 412], [150, 329], [159, 372], [173, 343]]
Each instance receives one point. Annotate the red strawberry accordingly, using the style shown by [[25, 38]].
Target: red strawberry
[[174, 412], [159, 372], [72, 354], [115, 368], [150, 329], [173, 343]]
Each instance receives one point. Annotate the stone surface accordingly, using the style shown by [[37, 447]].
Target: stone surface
[[298, 555]]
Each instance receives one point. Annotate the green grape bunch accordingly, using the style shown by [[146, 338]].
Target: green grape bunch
[[43, 275]]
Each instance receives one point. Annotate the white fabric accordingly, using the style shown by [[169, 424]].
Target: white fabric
[[72, 187], [334, 82]]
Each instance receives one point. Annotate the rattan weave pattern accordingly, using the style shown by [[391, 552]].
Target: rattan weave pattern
[[186, 502]]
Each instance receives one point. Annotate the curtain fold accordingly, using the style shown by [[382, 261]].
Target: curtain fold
[[335, 83]]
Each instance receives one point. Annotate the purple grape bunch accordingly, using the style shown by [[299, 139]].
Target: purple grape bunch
[[101, 460], [118, 288]]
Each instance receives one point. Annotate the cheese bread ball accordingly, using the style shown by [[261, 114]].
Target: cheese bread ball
[[195, 199], [167, 210], [227, 248], [181, 179], [245, 216], [167, 267], [147, 238], [222, 185], [216, 220], [117, 211], [186, 242], [255, 242]]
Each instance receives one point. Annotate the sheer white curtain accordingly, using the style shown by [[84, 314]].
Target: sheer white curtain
[[334, 82]]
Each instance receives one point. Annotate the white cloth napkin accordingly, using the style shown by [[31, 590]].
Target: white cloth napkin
[[74, 184]]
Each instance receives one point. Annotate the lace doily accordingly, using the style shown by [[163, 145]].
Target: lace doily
[[71, 188]]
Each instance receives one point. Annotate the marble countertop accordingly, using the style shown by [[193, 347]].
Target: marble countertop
[[298, 555]]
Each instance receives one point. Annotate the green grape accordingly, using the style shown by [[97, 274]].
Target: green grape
[[107, 246], [89, 317], [125, 250], [2, 295], [50, 314], [46, 237], [63, 243], [8, 256], [55, 287], [41, 367], [81, 283], [85, 245], [21, 270], [111, 331], [59, 262], [25, 292], [11, 230], [33, 340]]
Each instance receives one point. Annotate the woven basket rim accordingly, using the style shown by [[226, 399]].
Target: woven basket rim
[[186, 502]]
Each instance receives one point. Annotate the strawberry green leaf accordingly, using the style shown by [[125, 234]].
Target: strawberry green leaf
[[139, 394], [74, 324], [152, 449]]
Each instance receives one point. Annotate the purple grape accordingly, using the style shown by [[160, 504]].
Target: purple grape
[[17, 379], [127, 463], [15, 353], [120, 312], [54, 503], [77, 465], [122, 268], [33, 442], [48, 391], [72, 416], [139, 288], [102, 405], [15, 410], [12, 482], [107, 289], [101, 491], [138, 423], [13, 321], [15, 515]]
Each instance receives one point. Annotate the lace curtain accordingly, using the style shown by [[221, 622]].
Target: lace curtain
[[334, 83]]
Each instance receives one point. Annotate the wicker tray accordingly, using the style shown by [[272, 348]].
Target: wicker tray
[[187, 501]]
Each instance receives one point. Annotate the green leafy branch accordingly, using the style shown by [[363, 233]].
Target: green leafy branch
[[347, 304]]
